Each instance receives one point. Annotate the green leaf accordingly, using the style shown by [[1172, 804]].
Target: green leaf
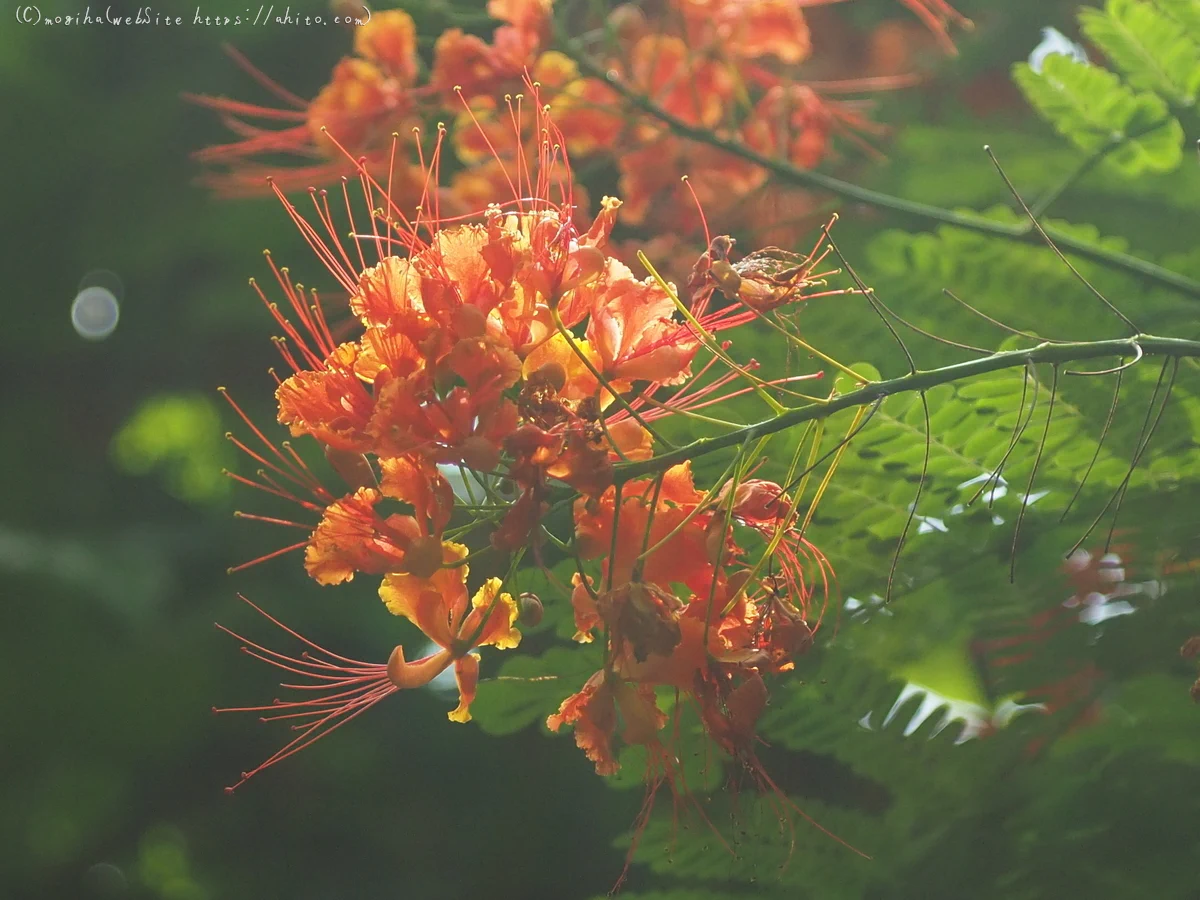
[[844, 384], [1185, 12], [529, 688], [1154, 52], [1092, 108]]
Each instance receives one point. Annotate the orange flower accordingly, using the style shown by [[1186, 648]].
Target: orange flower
[[676, 532], [633, 330], [390, 40], [352, 537], [420, 484], [330, 403], [791, 121], [691, 88], [438, 605], [466, 63], [596, 710], [748, 28], [654, 192], [369, 96]]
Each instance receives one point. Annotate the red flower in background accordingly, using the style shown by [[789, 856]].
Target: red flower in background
[[726, 65]]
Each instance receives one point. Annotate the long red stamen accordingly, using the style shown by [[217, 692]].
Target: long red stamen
[[351, 689]]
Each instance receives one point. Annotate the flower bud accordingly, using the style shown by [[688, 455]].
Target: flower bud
[[628, 22], [552, 373], [530, 610]]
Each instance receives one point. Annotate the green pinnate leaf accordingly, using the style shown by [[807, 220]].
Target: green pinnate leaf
[[1153, 51], [1185, 12], [529, 688], [1091, 107]]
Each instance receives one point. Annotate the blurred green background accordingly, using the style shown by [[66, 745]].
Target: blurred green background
[[116, 531]]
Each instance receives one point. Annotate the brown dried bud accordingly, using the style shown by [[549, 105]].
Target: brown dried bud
[[1191, 647], [728, 281], [552, 373], [530, 610], [644, 615]]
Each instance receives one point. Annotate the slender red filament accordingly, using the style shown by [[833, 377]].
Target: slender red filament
[[342, 689]]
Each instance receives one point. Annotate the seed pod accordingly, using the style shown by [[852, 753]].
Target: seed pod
[[530, 610]]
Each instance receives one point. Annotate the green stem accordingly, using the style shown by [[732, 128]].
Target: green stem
[[917, 381], [1093, 159], [921, 212]]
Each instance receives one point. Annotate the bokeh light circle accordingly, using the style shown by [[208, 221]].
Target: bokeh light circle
[[95, 312]]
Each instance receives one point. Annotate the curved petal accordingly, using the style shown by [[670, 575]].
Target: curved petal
[[466, 673], [493, 617]]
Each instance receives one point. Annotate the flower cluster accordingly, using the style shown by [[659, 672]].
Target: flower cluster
[[729, 67], [502, 366]]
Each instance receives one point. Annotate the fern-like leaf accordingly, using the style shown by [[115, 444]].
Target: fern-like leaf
[[1153, 51], [1185, 12], [1091, 107]]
